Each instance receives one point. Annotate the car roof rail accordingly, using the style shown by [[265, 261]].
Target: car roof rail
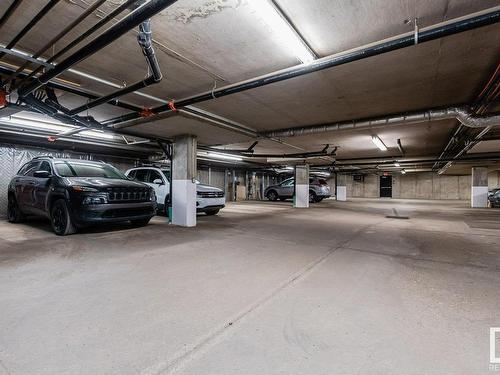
[[153, 165], [44, 156]]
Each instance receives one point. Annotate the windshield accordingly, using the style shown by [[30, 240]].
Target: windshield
[[86, 169]]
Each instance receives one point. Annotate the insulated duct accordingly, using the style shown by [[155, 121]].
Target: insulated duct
[[460, 113]]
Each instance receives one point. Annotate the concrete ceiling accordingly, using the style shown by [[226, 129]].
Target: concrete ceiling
[[202, 43]]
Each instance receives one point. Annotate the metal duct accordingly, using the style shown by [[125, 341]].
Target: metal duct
[[460, 113]]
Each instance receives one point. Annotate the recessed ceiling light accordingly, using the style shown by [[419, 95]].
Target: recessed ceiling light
[[396, 164]]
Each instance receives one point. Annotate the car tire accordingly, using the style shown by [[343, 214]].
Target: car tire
[[312, 197], [211, 212], [60, 218], [14, 213], [319, 199], [140, 222], [272, 195]]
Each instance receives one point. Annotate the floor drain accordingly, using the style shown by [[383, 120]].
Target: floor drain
[[396, 215]]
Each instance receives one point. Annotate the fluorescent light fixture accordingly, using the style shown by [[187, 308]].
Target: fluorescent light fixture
[[35, 124], [378, 142], [284, 33], [96, 134], [396, 164], [403, 171], [58, 127], [324, 174], [224, 156]]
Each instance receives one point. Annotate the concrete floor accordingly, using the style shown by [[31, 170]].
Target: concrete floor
[[260, 289]]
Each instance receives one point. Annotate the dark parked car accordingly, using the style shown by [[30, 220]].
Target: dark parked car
[[494, 197], [77, 193], [318, 190]]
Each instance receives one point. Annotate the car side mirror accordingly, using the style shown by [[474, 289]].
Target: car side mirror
[[158, 181], [41, 174]]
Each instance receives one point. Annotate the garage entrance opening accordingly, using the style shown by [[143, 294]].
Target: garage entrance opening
[[385, 186]]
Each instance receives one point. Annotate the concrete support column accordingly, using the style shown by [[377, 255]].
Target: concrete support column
[[341, 188], [301, 196], [183, 185], [479, 187]]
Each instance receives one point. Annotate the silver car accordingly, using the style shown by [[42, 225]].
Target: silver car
[[318, 190]]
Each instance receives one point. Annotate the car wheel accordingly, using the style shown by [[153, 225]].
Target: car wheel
[[61, 219], [14, 213], [211, 212], [312, 197], [319, 199], [272, 195], [140, 222]]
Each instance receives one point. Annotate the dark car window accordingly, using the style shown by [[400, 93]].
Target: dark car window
[[141, 175], [287, 183], [86, 169], [23, 169], [497, 194], [166, 172], [131, 175], [29, 168], [45, 166], [154, 175]]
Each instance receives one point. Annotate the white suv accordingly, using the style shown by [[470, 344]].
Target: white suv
[[209, 199]]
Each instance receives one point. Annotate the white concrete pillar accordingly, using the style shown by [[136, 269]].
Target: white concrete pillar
[[183, 183], [301, 196], [341, 192], [479, 187]]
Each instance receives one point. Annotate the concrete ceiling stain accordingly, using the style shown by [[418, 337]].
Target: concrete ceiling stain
[[187, 15]]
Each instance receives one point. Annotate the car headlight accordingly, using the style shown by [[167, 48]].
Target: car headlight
[[152, 195], [85, 189], [95, 199]]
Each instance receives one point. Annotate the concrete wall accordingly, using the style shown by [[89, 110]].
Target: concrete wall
[[425, 185]]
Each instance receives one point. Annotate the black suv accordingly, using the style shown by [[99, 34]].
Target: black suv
[[76, 193]]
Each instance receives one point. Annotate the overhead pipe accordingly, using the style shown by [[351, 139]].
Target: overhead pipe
[[487, 96], [130, 21], [31, 24], [86, 34], [460, 113], [10, 10], [26, 57], [432, 33], [249, 153], [144, 40], [58, 37], [77, 91], [411, 160]]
